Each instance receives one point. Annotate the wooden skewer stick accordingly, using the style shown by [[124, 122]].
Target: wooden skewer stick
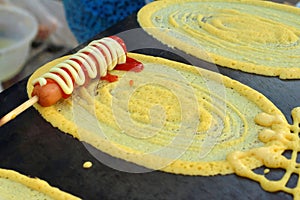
[[15, 112]]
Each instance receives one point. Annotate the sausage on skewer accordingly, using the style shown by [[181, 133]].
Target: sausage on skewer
[[90, 62], [93, 61]]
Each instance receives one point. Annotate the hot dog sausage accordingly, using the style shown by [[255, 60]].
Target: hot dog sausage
[[88, 63], [48, 94]]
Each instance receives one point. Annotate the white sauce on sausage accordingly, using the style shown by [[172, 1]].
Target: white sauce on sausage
[[107, 52]]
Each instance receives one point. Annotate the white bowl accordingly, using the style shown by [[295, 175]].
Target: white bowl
[[17, 30]]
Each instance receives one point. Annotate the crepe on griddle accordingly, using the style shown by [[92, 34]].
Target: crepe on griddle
[[260, 37], [171, 117]]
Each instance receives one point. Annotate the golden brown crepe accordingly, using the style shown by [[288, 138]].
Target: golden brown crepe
[[260, 37], [14, 186]]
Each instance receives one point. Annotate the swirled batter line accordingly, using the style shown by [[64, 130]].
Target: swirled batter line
[[253, 36], [234, 133], [224, 110]]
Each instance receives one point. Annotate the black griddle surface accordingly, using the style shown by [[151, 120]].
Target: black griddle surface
[[31, 146]]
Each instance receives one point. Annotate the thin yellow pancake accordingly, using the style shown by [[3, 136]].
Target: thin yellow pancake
[[14, 186], [171, 117], [254, 36]]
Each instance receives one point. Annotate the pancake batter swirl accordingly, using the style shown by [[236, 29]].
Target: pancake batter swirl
[[254, 36]]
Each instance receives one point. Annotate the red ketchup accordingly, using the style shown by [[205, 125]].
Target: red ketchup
[[50, 92], [130, 65]]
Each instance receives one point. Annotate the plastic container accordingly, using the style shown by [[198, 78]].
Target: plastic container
[[17, 30]]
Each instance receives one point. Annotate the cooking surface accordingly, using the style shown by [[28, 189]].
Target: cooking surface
[[31, 146]]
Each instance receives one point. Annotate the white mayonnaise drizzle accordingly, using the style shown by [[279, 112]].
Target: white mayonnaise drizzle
[[107, 58]]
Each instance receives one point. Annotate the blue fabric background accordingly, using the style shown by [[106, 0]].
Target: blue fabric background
[[86, 18]]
